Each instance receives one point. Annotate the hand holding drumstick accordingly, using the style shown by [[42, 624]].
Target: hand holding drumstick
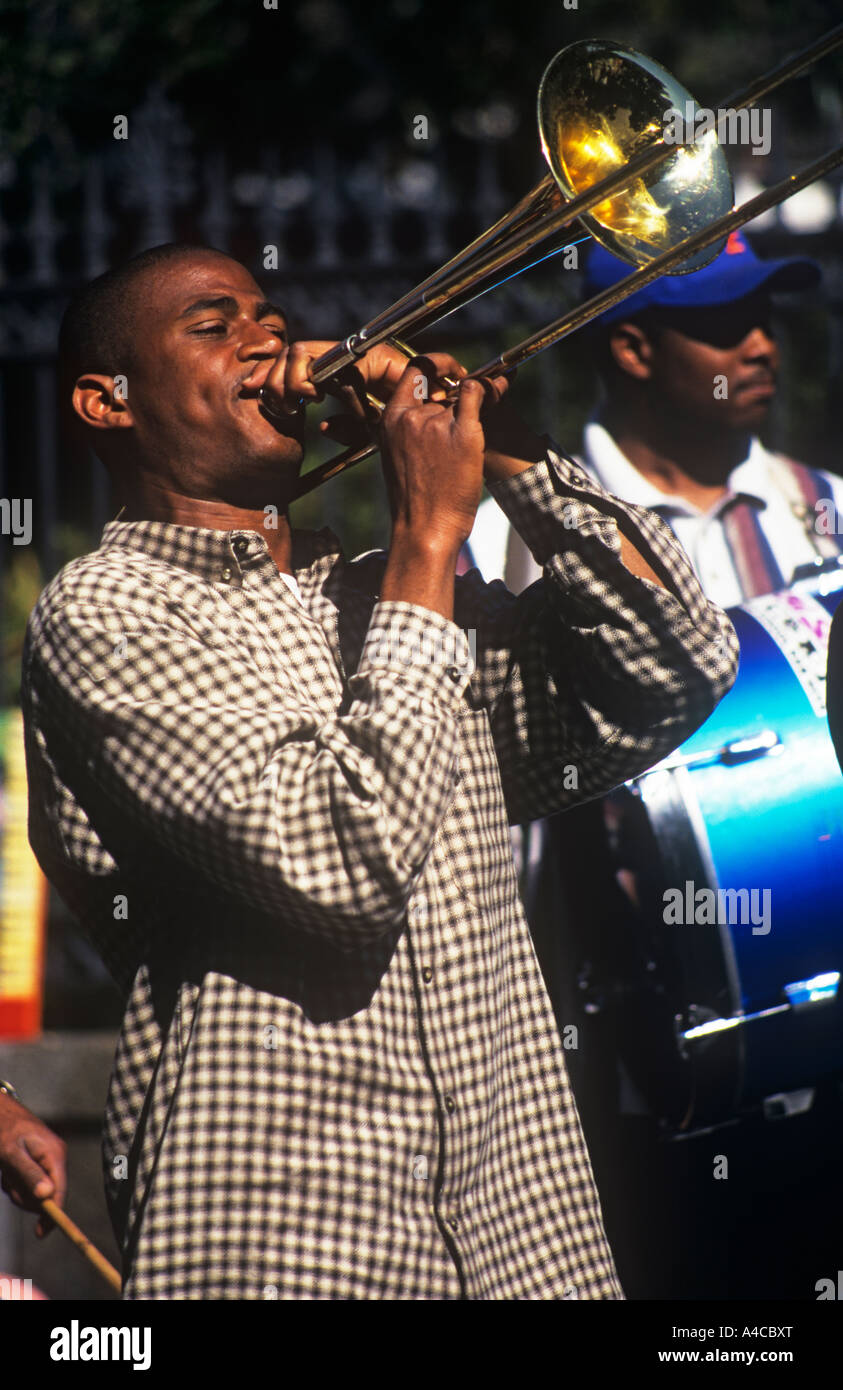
[[32, 1163]]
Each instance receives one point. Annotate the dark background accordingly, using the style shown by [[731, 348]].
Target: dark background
[[294, 127]]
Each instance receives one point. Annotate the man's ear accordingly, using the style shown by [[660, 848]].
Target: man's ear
[[632, 350], [102, 401]]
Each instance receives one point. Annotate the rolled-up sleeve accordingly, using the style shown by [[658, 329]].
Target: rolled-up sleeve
[[592, 674], [325, 822]]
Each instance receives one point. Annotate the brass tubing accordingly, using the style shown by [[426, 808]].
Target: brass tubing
[[400, 319], [514, 234], [789, 68], [615, 294], [607, 299]]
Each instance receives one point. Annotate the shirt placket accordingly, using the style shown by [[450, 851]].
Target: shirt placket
[[430, 969]]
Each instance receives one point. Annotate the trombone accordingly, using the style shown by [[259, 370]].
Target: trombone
[[663, 207]]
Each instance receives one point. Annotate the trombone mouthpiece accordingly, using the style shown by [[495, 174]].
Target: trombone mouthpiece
[[282, 413], [268, 406]]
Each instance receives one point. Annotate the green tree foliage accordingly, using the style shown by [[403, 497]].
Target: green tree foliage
[[353, 69]]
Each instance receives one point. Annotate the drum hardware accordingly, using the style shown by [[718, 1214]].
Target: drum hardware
[[753, 798], [810, 569], [802, 994], [740, 750], [599, 994], [784, 1104], [818, 990]]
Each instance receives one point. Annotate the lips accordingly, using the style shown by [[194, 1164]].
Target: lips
[[762, 384], [252, 383]]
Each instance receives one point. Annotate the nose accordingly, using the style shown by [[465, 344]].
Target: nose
[[759, 345], [258, 340]]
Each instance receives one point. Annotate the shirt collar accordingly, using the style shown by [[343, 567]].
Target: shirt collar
[[615, 473], [751, 478]]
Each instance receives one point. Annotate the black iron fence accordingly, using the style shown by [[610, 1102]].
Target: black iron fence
[[334, 244]]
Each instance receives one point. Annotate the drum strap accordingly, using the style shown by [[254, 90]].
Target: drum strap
[[755, 564], [803, 489]]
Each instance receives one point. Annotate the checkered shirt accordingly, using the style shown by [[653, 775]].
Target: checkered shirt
[[285, 826]]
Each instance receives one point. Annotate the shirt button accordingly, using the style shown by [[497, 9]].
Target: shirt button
[[427, 974], [450, 1104], [454, 673], [241, 545], [453, 1223], [226, 574]]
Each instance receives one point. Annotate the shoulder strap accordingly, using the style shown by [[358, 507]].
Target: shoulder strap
[[803, 488]]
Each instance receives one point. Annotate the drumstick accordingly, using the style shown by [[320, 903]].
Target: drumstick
[[80, 1240]]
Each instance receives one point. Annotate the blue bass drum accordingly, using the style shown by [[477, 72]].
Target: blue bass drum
[[731, 850]]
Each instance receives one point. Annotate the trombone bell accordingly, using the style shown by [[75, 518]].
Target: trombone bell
[[600, 105]]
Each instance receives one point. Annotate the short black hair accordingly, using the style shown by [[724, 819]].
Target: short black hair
[[99, 324]]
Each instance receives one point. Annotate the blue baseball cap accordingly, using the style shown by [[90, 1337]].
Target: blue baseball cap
[[736, 272]]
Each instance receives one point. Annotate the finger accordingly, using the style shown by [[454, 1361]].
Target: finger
[[287, 385], [413, 387], [22, 1197], [60, 1179], [495, 388], [445, 371], [44, 1225], [446, 365], [383, 366], [297, 382], [24, 1176], [470, 400], [349, 389], [48, 1152], [274, 384]]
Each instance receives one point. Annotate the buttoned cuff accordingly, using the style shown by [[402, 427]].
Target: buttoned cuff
[[428, 655]]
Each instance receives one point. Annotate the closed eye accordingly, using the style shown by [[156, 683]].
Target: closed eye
[[273, 328]]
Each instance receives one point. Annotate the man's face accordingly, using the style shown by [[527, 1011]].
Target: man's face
[[717, 366], [205, 339]]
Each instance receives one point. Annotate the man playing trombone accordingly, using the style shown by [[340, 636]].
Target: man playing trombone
[[275, 785]]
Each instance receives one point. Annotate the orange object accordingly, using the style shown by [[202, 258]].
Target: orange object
[[23, 894]]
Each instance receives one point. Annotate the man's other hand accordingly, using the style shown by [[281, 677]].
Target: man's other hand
[[433, 455], [32, 1161], [288, 386]]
